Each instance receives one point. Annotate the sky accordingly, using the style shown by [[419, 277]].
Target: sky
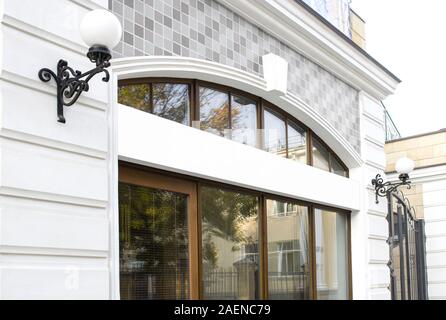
[[409, 38]]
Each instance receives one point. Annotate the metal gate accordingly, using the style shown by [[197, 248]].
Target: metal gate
[[407, 245]]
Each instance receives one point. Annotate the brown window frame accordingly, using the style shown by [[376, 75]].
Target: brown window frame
[[156, 178], [261, 105]]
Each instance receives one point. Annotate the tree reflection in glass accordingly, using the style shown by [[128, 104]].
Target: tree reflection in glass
[[214, 111], [135, 95], [171, 101], [230, 254], [153, 244], [244, 120]]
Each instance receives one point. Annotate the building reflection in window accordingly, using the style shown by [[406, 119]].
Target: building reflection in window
[[297, 145], [331, 255], [288, 251], [230, 253], [243, 120], [275, 134]]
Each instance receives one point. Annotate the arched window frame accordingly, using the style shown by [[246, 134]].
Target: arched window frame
[[261, 105]]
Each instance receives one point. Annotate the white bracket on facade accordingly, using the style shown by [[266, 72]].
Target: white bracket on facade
[[275, 73]]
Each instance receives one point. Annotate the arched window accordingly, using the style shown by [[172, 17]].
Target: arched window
[[230, 113]]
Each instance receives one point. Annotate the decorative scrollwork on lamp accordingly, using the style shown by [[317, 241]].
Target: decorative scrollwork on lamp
[[404, 166], [101, 30]]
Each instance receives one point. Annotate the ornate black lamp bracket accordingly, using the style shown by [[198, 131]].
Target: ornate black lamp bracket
[[70, 83], [382, 189]]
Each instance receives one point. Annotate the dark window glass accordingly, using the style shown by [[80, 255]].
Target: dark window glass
[[297, 144], [274, 134], [136, 96], [331, 255], [321, 156], [214, 111], [288, 251], [171, 101], [153, 244], [230, 251], [244, 120], [337, 168]]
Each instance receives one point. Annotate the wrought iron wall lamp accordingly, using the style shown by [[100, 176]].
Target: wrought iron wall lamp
[[404, 167], [101, 31]]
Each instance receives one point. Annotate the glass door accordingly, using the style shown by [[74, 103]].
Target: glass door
[[158, 236]]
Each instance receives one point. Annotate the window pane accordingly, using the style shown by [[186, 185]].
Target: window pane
[[331, 255], [244, 120], [288, 255], [153, 244], [230, 253], [135, 95], [320, 156], [171, 101], [214, 111], [275, 134], [337, 168], [297, 145]]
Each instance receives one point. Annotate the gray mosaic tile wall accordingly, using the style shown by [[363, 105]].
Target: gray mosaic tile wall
[[204, 29]]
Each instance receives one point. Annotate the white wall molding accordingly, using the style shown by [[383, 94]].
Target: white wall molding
[[181, 67], [299, 29], [63, 252], [374, 119], [50, 197], [37, 85], [44, 35], [375, 165], [373, 141], [52, 144]]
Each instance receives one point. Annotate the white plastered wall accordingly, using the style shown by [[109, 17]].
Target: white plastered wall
[[370, 252], [54, 226]]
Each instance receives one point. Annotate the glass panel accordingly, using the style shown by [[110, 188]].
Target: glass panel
[[337, 168], [171, 101], [275, 134], [331, 255], [288, 255], [153, 244], [320, 156], [135, 95], [230, 250], [297, 145], [214, 111], [244, 120]]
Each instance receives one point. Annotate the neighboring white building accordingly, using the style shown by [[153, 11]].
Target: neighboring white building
[[428, 197], [92, 208]]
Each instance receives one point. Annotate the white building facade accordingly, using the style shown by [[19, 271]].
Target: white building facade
[[63, 226]]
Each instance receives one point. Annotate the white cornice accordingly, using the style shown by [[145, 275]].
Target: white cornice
[[89, 4], [303, 32], [183, 67]]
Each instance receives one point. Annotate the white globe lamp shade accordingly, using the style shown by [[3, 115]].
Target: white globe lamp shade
[[101, 28], [404, 166]]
